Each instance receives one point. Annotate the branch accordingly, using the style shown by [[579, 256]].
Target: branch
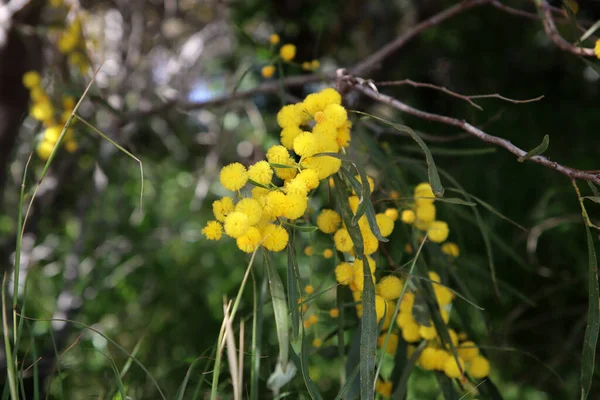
[[554, 35], [472, 130], [467, 98], [369, 63]]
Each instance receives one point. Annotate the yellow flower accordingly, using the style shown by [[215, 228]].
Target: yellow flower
[[342, 241], [288, 134], [308, 250], [389, 287], [291, 115], [404, 319], [467, 351], [327, 253], [452, 369], [318, 101], [305, 144], [380, 307], [479, 367], [324, 166], [383, 388], [424, 194], [427, 332], [453, 337], [68, 42], [343, 134], [451, 249], [434, 276], [313, 319], [71, 146], [306, 66], [280, 155], [236, 224], [274, 39], [267, 71], [44, 149], [597, 48], [213, 230], [441, 356], [249, 241], [233, 176], [370, 242], [334, 312], [260, 172], [425, 212], [394, 195], [308, 289], [317, 342], [52, 134], [309, 177], [275, 237], [251, 208], [385, 224], [427, 359], [315, 64], [295, 206], [337, 116], [79, 61], [392, 345], [443, 295], [358, 265], [328, 221], [275, 203], [392, 214], [42, 110], [222, 207], [408, 300], [344, 273], [408, 216], [32, 79], [438, 231], [287, 52], [359, 278], [410, 333]]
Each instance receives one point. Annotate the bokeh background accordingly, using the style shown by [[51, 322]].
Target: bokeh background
[[146, 278]]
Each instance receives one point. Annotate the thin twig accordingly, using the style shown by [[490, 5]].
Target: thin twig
[[467, 98], [554, 35], [572, 173]]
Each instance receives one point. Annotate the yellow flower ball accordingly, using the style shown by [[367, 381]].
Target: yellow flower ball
[[267, 71], [453, 337], [344, 274], [288, 134], [310, 178], [71, 146], [274, 39], [452, 369], [275, 238], [380, 307], [404, 319], [280, 155], [328, 253], [335, 114], [317, 342], [315, 64], [389, 287], [291, 115], [233, 176], [427, 332], [52, 133], [408, 216], [334, 312], [305, 144], [44, 149], [467, 351], [385, 224], [441, 356], [443, 295], [383, 388], [438, 231], [213, 230], [370, 242], [342, 136], [359, 279], [261, 172], [392, 214], [42, 110], [275, 204], [68, 42], [408, 300], [451, 249], [427, 359], [308, 250], [597, 48], [479, 367], [425, 212], [392, 344], [328, 221], [434, 276], [287, 52], [342, 241], [222, 207], [251, 208], [424, 194], [324, 166], [295, 206], [410, 333], [236, 224], [250, 240], [31, 79], [313, 319], [318, 101], [309, 289]]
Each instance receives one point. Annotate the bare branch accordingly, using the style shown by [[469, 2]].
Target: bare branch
[[467, 98], [369, 63], [569, 172], [554, 35]]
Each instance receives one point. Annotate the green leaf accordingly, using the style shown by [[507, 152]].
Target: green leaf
[[401, 385], [292, 284], [302, 365], [595, 199], [280, 310], [441, 151], [456, 200], [432, 172], [590, 339], [348, 383], [353, 361], [260, 185], [368, 337], [490, 390], [446, 386], [536, 151], [300, 228], [594, 189], [282, 166]]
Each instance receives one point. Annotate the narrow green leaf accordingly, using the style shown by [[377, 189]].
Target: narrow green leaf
[[352, 362], [346, 212], [489, 390], [348, 383], [457, 294], [446, 386], [368, 337], [260, 185], [280, 309], [441, 151], [401, 386], [302, 365], [595, 199], [594, 189], [456, 200], [536, 151], [292, 285], [300, 228], [434, 178], [282, 166], [590, 339]]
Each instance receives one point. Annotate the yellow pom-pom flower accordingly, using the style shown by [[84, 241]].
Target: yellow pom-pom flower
[[438, 231], [408, 216], [213, 230], [251, 208], [427, 332], [344, 273], [342, 241], [309, 289], [222, 207], [334, 312], [380, 307], [392, 344], [274, 39], [233, 176], [328, 221], [249, 241], [327, 253], [451, 249], [479, 367], [385, 224], [315, 65], [52, 133], [410, 333], [275, 238], [597, 48], [32, 79], [294, 206], [383, 388], [335, 114], [392, 214], [291, 115], [389, 287], [305, 144], [236, 224], [424, 194], [267, 71], [317, 342], [288, 134], [42, 110], [452, 368], [467, 351], [427, 359], [261, 172], [404, 319], [408, 300], [287, 52]]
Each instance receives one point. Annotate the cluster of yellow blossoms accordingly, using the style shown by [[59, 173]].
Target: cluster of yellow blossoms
[[287, 53], [319, 124], [72, 44], [53, 119]]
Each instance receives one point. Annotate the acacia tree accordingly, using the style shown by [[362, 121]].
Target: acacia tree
[[119, 79]]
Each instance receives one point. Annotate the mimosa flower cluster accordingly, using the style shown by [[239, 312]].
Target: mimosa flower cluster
[[319, 124], [287, 53], [52, 118], [71, 43]]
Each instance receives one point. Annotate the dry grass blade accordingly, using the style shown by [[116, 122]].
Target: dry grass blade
[[231, 352]]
